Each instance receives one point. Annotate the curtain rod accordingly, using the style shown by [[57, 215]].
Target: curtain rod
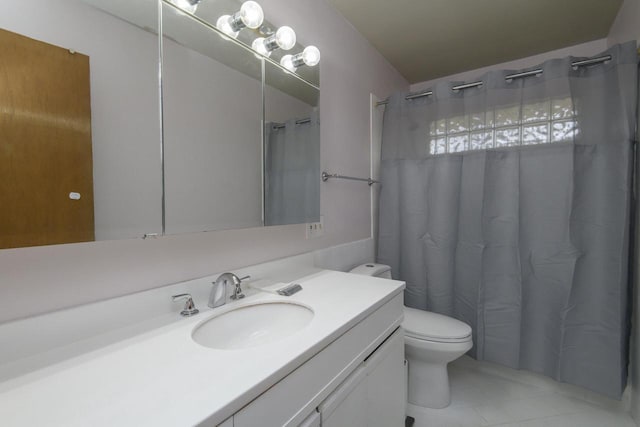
[[536, 72], [298, 122], [326, 176]]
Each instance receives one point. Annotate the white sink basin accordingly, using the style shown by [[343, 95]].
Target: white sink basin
[[252, 325]]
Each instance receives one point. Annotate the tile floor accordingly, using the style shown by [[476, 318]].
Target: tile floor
[[484, 394]]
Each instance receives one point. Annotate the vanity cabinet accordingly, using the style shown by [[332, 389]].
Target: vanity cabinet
[[357, 380], [372, 396]]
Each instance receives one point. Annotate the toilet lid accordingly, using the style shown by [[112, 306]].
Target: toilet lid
[[432, 326]]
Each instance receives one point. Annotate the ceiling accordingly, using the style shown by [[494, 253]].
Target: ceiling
[[427, 39]]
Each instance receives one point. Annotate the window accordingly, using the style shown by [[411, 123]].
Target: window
[[538, 123]]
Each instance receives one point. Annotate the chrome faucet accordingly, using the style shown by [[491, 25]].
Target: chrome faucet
[[218, 294]]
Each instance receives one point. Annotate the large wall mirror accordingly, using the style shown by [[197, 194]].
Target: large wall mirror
[[79, 124], [88, 151]]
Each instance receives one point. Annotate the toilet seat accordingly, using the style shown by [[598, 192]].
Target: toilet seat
[[428, 326]]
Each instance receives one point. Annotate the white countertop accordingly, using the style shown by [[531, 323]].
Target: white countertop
[[164, 378]]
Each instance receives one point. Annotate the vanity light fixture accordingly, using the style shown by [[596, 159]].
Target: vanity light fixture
[[250, 15], [187, 5], [309, 56], [284, 38]]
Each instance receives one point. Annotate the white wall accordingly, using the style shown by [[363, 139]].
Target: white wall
[[37, 280], [626, 27]]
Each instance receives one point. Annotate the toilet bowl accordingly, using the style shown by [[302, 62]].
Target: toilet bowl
[[432, 341]]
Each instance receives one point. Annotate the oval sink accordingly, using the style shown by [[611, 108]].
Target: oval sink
[[252, 325]]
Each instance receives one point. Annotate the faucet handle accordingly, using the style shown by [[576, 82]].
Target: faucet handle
[[237, 292], [189, 306]]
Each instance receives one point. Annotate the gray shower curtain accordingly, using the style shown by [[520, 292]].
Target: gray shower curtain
[[292, 172], [508, 207]]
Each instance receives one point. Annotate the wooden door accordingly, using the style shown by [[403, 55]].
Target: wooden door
[[45, 144]]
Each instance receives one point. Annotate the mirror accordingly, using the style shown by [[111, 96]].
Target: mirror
[[291, 149], [115, 168], [222, 169], [79, 124], [212, 129]]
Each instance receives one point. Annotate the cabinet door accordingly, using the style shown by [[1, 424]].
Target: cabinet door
[[386, 383], [347, 405]]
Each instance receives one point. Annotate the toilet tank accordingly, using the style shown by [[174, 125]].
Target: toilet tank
[[371, 269]]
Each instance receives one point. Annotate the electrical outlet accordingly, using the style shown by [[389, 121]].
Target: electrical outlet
[[315, 229]]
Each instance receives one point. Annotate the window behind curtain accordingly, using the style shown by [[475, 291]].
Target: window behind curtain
[[548, 121]]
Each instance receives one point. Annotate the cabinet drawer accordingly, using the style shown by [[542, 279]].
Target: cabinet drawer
[[288, 402]]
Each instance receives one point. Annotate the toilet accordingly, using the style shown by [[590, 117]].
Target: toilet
[[431, 341]]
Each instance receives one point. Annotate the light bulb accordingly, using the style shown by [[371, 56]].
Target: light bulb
[[251, 14], [186, 5], [224, 24], [311, 55], [285, 37], [287, 62], [259, 46]]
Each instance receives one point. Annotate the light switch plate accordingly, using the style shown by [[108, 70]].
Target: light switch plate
[[315, 229]]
